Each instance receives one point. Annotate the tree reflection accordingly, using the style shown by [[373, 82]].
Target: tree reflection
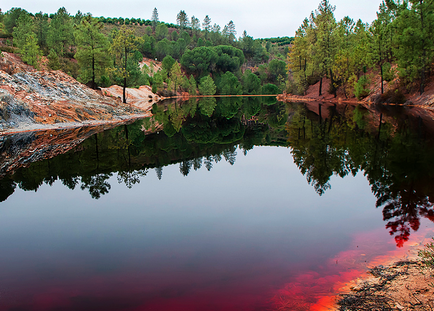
[[390, 147]]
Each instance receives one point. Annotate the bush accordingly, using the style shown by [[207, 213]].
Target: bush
[[388, 72], [427, 255], [361, 88], [393, 96]]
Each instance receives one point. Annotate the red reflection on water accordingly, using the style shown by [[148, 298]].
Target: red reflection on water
[[317, 291]]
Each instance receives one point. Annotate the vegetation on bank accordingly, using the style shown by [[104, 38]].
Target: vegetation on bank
[[399, 43], [104, 51]]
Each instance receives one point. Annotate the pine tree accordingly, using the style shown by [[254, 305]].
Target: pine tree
[[154, 18], [60, 32], [30, 52], [92, 50], [124, 43], [182, 19], [206, 25]]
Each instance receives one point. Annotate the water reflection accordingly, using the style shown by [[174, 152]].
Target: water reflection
[[391, 147]]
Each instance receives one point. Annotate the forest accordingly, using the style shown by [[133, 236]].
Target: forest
[[203, 58], [195, 58], [398, 44]]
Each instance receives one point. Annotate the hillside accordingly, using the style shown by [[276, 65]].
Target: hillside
[[31, 99]]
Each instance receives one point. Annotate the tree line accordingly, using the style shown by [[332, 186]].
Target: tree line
[[398, 44], [196, 58]]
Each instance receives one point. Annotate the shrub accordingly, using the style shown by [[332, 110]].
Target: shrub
[[361, 88], [427, 255]]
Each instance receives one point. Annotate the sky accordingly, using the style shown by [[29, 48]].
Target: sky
[[261, 19]]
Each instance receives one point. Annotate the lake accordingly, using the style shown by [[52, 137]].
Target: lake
[[228, 204]]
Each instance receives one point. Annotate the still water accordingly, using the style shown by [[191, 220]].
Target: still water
[[233, 205]]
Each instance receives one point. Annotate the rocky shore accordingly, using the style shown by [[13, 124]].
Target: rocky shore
[[31, 99]]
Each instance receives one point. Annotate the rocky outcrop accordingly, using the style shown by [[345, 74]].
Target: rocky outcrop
[[30, 99]]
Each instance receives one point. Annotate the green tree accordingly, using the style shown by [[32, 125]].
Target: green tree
[[124, 43], [228, 58], [41, 29], [176, 75], [154, 18], [276, 68], [195, 25], [229, 84], [182, 19], [251, 83], [199, 61], [92, 50], [325, 47], [167, 63], [192, 86], [30, 51], [60, 32], [206, 26], [207, 86], [11, 17], [415, 48], [24, 28]]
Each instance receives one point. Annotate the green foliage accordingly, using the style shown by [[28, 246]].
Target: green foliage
[[92, 50], [228, 58], [251, 83], [30, 52], [60, 32], [11, 17], [41, 29], [361, 88], [24, 28], [199, 61], [276, 68], [207, 86], [124, 43], [427, 255], [229, 85], [270, 89], [388, 72], [53, 60], [192, 89], [168, 62]]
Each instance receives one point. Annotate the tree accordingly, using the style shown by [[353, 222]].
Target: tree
[[92, 50], [231, 32], [24, 27], [206, 25], [154, 18], [30, 52], [41, 29], [182, 19], [251, 83], [228, 58], [161, 32], [229, 84], [60, 32], [276, 68], [414, 50], [199, 61], [124, 43], [325, 47], [207, 86], [176, 75], [192, 89], [25, 40], [167, 63], [195, 24], [11, 17]]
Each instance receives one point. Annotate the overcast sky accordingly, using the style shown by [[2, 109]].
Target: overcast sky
[[261, 19]]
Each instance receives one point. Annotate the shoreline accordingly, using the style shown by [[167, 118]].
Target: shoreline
[[397, 283], [40, 127]]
